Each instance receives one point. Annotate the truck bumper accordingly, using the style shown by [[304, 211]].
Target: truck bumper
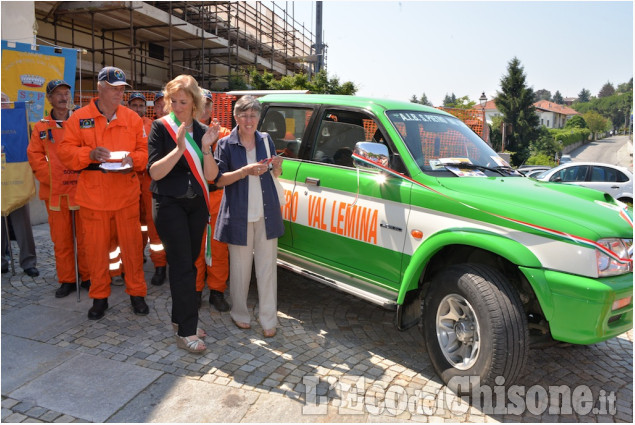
[[581, 309]]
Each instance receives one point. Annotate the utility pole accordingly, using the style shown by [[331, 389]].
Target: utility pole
[[319, 44]]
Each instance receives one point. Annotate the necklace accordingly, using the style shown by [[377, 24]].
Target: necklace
[[190, 126]]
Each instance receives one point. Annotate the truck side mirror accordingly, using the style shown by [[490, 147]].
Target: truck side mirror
[[375, 152]]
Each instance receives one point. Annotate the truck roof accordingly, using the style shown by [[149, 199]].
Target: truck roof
[[346, 100]]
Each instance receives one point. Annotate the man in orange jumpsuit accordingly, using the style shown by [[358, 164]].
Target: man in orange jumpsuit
[[57, 189], [96, 134], [137, 102], [216, 275]]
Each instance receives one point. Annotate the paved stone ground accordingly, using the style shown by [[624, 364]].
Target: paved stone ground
[[331, 349]]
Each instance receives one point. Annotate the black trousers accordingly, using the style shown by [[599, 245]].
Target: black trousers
[[180, 223]]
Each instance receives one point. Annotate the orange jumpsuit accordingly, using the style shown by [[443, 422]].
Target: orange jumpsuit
[[105, 196], [218, 273], [57, 190], [115, 265], [157, 253]]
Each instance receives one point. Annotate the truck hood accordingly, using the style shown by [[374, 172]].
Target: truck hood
[[519, 201]]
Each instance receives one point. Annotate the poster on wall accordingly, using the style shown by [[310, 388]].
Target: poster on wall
[[25, 74], [26, 71]]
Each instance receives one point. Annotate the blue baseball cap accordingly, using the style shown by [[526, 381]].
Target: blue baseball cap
[[207, 94], [136, 95], [53, 84], [113, 76], [158, 95]]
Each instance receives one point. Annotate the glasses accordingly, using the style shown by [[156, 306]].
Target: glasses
[[248, 116]]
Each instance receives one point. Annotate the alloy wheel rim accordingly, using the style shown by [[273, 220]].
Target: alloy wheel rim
[[458, 331]]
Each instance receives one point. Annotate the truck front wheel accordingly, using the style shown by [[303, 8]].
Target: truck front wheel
[[474, 327]]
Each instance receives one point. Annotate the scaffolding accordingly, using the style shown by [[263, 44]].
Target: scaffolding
[[155, 41]]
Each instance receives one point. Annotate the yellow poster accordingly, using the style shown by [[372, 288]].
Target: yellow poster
[[26, 70], [24, 78]]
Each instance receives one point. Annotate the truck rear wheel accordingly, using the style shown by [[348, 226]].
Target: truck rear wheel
[[474, 327]]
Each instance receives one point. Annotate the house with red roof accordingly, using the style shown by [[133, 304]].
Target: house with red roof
[[553, 115]]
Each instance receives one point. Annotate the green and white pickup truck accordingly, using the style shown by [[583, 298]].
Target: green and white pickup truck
[[406, 207]]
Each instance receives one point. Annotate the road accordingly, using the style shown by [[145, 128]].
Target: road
[[616, 150], [58, 366]]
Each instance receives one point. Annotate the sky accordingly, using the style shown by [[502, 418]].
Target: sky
[[396, 49]]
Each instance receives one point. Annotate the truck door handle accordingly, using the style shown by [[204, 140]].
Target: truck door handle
[[312, 180], [615, 187]]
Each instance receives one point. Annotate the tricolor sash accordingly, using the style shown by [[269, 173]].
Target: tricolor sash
[[194, 158]]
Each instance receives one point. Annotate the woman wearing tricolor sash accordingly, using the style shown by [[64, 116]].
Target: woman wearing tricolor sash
[[180, 162]]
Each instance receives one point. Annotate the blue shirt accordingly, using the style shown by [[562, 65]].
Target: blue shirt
[[231, 225]]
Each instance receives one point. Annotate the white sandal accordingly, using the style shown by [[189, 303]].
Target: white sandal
[[190, 343], [199, 332]]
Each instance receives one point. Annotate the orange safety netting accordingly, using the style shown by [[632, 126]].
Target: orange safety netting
[[223, 109], [473, 118], [87, 95], [223, 104]]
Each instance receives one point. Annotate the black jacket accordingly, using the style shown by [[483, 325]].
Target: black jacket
[[176, 182]]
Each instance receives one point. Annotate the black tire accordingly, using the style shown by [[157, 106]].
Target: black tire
[[489, 303]]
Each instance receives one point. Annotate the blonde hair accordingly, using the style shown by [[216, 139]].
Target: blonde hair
[[188, 84]]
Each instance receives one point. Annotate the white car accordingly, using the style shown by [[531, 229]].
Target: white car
[[611, 179]]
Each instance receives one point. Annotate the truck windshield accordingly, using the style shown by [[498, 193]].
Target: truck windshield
[[436, 141]]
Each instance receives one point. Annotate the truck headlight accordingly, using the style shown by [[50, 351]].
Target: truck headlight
[[619, 258]]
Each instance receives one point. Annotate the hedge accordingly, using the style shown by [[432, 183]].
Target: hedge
[[570, 136]]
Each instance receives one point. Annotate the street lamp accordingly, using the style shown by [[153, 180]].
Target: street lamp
[[483, 101]]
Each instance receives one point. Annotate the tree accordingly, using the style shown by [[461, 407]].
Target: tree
[[544, 144], [543, 94], [321, 83], [616, 108], [448, 100], [595, 122], [557, 98], [544, 147], [424, 100], [237, 82], [460, 102], [515, 102], [625, 87], [414, 99], [584, 96], [575, 122], [496, 134], [606, 90]]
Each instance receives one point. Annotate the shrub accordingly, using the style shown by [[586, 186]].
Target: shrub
[[541, 159], [570, 136]]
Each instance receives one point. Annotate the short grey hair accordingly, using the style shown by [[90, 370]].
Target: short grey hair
[[247, 103]]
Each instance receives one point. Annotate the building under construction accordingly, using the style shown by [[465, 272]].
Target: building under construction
[[152, 42]]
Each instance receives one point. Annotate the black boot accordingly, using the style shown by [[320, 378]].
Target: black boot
[[98, 309], [139, 306], [217, 299], [159, 276], [64, 290]]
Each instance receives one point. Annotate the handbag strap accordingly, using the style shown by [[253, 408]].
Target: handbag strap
[[265, 138]]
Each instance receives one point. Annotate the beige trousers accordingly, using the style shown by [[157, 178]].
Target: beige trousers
[[262, 252]]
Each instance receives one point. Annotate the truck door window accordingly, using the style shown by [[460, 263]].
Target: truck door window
[[286, 126], [338, 133]]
